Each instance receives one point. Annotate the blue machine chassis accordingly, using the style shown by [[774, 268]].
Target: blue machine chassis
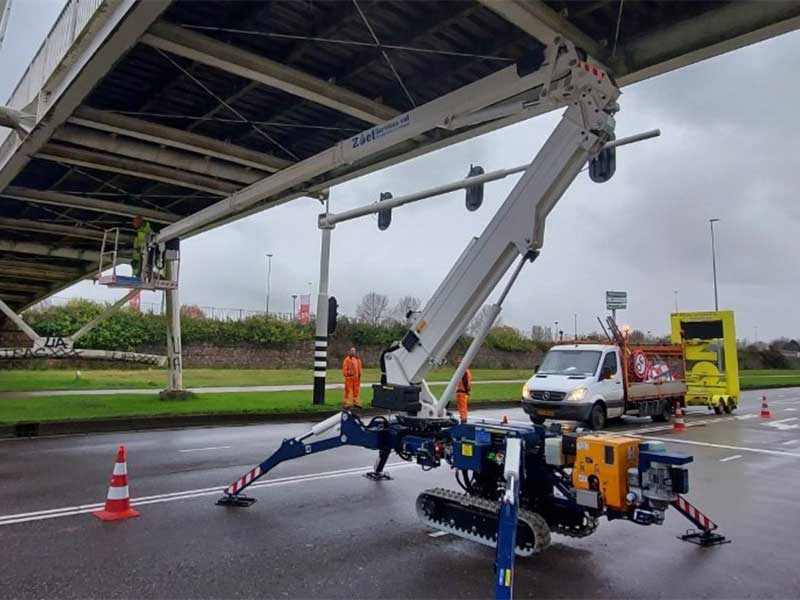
[[475, 447]]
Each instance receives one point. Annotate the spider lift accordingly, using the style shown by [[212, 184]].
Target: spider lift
[[520, 482], [158, 270], [152, 260]]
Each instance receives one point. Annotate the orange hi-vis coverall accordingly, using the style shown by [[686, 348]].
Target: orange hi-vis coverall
[[462, 394], [351, 369]]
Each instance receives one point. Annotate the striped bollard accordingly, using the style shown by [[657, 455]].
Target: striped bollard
[[320, 368]]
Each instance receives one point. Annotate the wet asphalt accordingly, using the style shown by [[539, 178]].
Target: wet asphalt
[[321, 530]]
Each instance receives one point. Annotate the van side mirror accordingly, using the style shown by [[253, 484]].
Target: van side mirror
[[536, 368], [605, 373]]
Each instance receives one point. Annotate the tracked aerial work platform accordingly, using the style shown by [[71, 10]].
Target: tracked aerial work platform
[[191, 115]]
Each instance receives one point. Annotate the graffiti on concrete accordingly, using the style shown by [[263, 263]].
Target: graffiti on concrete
[[53, 343], [40, 352], [64, 352], [134, 357]]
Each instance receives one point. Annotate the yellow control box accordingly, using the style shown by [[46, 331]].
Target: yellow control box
[[601, 465]]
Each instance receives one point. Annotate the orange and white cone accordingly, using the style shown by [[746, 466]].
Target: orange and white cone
[[678, 425], [765, 414], [118, 501]]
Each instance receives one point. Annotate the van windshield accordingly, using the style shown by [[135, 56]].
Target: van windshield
[[570, 362]]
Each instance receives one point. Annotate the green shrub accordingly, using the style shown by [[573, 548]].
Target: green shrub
[[508, 339], [128, 330]]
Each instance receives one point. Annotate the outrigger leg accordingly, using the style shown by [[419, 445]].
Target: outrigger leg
[[351, 431], [705, 536], [377, 473], [507, 522]]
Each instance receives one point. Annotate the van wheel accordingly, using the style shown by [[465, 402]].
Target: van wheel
[[728, 406], [597, 418], [537, 420], [718, 408], [665, 416]]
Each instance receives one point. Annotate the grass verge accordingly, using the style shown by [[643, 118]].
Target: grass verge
[[75, 408], [39, 380]]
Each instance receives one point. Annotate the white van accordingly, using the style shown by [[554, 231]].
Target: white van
[[589, 383]]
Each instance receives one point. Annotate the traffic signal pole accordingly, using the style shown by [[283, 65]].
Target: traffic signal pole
[[321, 339]]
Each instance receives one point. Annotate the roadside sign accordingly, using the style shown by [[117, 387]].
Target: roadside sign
[[616, 300]]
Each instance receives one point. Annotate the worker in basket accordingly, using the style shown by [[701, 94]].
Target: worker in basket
[[351, 369], [463, 391], [140, 246]]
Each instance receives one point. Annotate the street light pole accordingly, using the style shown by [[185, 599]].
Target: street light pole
[[556, 331], [676, 299], [714, 262], [576, 326], [269, 279], [294, 306]]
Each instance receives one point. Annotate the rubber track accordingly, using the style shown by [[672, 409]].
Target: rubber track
[[536, 523]]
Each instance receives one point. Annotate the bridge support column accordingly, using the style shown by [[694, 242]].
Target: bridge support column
[[175, 389]]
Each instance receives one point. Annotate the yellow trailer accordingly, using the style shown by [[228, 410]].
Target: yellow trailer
[[709, 349]]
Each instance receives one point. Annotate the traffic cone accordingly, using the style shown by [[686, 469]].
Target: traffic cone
[[505, 419], [118, 501], [765, 414], [678, 425]]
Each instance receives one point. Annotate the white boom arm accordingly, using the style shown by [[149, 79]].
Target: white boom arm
[[517, 228]]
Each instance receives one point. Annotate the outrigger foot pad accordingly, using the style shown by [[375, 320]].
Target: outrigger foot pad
[[704, 538], [377, 476], [236, 500]]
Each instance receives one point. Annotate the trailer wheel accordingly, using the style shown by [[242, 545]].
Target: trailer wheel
[[665, 416], [597, 418], [536, 420], [727, 406], [718, 408]]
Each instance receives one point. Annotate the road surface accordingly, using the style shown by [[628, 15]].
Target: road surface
[[320, 529]]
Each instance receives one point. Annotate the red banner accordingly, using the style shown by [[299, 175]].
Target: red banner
[[136, 301], [305, 308]]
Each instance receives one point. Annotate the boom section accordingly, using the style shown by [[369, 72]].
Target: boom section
[[516, 229]]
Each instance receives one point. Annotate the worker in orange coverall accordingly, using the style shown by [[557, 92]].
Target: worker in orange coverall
[[463, 391], [351, 369]]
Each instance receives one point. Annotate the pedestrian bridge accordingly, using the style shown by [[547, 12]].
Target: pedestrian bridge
[[194, 114]]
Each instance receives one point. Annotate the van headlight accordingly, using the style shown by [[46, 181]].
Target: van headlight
[[577, 395], [526, 392]]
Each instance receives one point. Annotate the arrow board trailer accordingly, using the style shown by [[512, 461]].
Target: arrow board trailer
[[519, 483], [712, 365]]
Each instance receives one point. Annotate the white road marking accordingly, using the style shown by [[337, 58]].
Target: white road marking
[[727, 458], [437, 534], [790, 443], [790, 409], [745, 417], [783, 424], [209, 448], [722, 446], [69, 511]]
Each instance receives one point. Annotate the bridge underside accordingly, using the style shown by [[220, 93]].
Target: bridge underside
[[162, 109]]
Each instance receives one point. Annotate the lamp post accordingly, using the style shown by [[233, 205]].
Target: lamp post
[[555, 333], [575, 316], [714, 262], [676, 299], [269, 279], [294, 306]]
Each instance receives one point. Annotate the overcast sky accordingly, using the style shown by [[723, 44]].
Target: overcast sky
[[729, 150]]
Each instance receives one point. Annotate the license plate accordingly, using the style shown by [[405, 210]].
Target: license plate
[[546, 413]]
